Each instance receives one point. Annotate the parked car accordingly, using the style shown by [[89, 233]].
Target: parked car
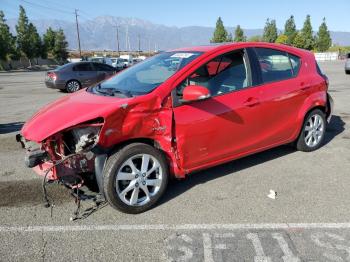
[[101, 59], [347, 64], [127, 59], [179, 112], [74, 76], [118, 63]]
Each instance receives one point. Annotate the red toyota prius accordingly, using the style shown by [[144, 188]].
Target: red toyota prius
[[178, 112]]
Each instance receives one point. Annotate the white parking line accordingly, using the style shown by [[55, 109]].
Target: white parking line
[[173, 227]]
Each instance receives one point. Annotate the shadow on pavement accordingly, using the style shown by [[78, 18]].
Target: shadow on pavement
[[334, 128], [10, 127]]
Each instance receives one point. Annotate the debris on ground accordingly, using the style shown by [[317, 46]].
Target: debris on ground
[[272, 194]]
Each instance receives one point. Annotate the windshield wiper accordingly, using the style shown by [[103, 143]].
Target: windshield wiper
[[112, 91]]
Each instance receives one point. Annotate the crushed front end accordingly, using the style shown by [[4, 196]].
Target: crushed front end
[[66, 156]]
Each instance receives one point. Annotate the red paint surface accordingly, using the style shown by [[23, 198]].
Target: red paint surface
[[201, 134]]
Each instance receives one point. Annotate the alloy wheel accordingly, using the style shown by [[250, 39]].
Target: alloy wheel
[[139, 179], [73, 86], [314, 130]]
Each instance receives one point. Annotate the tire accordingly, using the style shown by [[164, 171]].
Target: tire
[[313, 131], [73, 86], [347, 72], [123, 181]]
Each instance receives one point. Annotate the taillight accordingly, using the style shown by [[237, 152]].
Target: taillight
[[52, 76]]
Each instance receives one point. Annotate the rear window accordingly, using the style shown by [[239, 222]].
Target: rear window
[[82, 67], [276, 65]]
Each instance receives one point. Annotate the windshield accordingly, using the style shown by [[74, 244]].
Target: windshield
[[145, 76]]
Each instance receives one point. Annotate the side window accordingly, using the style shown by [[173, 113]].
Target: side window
[[82, 67], [295, 61], [102, 67], [274, 64], [223, 74]]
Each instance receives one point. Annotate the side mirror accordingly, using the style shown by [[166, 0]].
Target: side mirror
[[194, 93]]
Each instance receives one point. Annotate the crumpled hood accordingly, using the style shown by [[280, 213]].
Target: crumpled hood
[[68, 111]]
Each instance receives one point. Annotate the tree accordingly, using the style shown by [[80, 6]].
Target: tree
[[49, 39], [282, 39], [220, 33], [239, 35], [7, 41], [306, 34], [299, 40], [323, 40], [255, 38], [35, 42], [270, 31], [60, 49], [290, 30], [23, 39]]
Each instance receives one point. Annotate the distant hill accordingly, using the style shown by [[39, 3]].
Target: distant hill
[[100, 33]]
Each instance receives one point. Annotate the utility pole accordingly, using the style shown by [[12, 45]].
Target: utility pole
[[149, 46], [76, 21], [139, 42], [116, 26], [127, 38]]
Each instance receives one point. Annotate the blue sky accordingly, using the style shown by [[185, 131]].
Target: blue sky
[[248, 13]]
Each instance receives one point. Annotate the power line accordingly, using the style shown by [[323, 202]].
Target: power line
[[46, 7]]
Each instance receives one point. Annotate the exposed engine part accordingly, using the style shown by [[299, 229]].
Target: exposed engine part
[[35, 157], [85, 137]]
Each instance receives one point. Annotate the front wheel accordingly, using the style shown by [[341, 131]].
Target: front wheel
[[135, 177], [313, 131]]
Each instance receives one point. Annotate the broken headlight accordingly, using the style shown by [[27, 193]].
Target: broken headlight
[[85, 137]]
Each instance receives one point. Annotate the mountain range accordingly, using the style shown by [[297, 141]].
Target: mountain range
[[100, 33]]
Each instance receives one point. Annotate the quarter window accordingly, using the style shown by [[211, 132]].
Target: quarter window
[[295, 61], [275, 65], [223, 74]]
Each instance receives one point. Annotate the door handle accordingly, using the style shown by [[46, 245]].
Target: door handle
[[251, 101]]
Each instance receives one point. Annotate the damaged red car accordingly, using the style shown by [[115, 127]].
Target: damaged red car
[[178, 112]]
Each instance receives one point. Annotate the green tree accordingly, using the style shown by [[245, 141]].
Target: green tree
[[239, 35], [282, 39], [7, 41], [255, 38], [299, 40], [220, 33], [23, 38], [323, 39], [270, 31], [49, 39], [36, 45], [307, 35], [290, 30], [60, 49]]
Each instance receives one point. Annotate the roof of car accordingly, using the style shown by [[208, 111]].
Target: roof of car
[[219, 46]]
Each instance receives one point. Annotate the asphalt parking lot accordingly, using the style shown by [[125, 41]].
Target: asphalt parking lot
[[220, 214]]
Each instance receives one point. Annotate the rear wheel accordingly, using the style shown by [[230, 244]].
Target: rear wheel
[[135, 178], [312, 134], [73, 86]]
